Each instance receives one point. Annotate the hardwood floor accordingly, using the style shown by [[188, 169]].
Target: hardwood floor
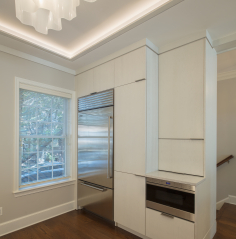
[[226, 222], [84, 225], [75, 224]]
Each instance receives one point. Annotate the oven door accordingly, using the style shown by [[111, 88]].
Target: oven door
[[176, 202]]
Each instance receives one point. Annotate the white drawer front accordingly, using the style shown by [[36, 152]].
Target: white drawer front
[[163, 227]]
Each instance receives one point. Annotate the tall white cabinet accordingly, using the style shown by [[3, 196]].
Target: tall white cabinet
[[182, 98], [136, 135]]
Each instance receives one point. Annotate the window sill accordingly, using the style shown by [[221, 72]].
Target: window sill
[[44, 187]]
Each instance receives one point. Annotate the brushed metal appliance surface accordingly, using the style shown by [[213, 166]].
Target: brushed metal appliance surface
[[96, 199]]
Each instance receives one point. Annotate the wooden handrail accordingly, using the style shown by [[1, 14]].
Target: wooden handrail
[[225, 160]]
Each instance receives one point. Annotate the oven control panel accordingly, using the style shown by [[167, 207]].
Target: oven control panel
[[172, 184]]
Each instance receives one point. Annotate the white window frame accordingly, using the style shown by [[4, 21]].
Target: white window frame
[[52, 90]]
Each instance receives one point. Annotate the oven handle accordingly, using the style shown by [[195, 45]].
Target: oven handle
[[167, 215]]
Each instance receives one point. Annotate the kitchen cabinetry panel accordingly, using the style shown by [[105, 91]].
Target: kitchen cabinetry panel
[[129, 201], [181, 92], [130, 67], [130, 128], [104, 76], [182, 156], [163, 227], [84, 83]]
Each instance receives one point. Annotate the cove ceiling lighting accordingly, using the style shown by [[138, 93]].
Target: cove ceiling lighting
[[46, 14]]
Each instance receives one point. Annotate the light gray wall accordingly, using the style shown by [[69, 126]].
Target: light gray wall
[[226, 138], [10, 67]]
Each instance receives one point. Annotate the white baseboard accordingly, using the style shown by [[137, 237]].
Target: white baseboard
[[22, 222], [230, 199], [131, 231], [211, 233]]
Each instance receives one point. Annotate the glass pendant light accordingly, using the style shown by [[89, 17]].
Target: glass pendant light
[[46, 14]]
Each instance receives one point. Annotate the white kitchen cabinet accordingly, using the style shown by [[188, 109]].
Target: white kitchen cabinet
[[84, 83], [130, 67], [159, 226], [129, 201], [130, 128], [104, 76], [181, 92], [182, 156]]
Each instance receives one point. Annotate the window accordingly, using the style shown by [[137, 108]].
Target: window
[[44, 132]]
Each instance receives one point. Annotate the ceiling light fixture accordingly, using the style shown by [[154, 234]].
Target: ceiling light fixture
[[46, 14]]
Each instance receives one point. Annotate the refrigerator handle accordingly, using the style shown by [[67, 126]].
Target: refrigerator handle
[[109, 148]]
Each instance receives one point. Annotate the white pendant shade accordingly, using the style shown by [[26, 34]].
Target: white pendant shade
[[46, 14]]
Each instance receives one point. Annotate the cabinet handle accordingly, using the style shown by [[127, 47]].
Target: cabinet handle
[[90, 186], [140, 80], [167, 215], [196, 139]]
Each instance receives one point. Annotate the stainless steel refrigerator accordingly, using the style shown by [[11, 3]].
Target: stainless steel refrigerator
[[95, 154]]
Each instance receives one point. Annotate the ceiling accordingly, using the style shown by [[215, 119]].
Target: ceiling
[[95, 20]]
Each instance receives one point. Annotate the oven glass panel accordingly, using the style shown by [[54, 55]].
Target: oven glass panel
[[171, 197]]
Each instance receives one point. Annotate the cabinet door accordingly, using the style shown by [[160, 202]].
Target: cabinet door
[[130, 67], [181, 92], [182, 156], [104, 76], [84, 83], [130, 128], [159, 226], [129, 201]]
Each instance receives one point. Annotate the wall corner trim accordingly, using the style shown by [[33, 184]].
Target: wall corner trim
[[22, 222], [38, 60], [226, 75]]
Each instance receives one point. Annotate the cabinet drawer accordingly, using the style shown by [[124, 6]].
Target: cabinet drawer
[[159, 226], [182, 156]]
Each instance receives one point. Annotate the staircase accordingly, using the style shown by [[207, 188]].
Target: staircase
[[226, 222]]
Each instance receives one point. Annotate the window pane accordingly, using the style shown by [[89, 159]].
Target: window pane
[[45, 144], [59, 144], [57, 129], [42, 142], [28, 144], [28, 160], [44, 129], [45, 158], [44, 101], [28, 113], [58, 171], [45, 173], [28, 98], [27, 128], [44, 115], [57, 115], [59, 156], [29, 176]]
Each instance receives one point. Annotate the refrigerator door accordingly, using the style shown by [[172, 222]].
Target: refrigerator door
[[95, 146], [96, 199]]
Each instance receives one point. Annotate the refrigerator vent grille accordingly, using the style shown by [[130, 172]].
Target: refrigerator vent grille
[[95, 101]]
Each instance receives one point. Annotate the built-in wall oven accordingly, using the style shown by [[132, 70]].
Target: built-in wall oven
[[170, 198]]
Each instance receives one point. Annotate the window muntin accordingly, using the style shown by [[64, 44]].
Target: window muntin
[[43, 137]]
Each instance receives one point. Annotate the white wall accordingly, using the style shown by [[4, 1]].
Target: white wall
[[226, 138], [11, 66]]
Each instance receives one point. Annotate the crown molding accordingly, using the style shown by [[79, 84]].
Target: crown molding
[[226, 75], [224, 44], [157, 8], [36, 59]]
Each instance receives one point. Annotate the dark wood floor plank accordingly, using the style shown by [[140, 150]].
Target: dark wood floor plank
[[72, 225], [226, 222]]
